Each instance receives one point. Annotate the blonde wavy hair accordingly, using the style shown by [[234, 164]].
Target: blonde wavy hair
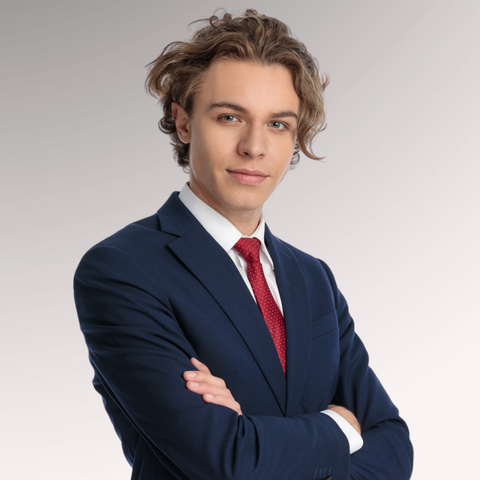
[[177, 74]]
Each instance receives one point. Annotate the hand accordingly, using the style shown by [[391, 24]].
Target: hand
[[212, 389], [348, 416]]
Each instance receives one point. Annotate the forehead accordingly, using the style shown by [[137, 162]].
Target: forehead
[[258, 88]]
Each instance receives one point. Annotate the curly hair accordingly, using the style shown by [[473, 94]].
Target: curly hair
[[177, 74]]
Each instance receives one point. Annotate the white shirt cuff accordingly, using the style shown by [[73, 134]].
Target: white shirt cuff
[[355, 440]]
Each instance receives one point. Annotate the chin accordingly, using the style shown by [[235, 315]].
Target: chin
[[245, 203]]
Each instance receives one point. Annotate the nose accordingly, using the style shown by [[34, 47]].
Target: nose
[[253, 142]]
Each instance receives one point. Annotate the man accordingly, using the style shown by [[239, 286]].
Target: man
[[220, 351]]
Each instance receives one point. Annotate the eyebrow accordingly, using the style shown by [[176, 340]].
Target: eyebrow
[[239, 108]]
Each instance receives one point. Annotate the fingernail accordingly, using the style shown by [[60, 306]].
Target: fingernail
[[194, 384], [191, 374], [209, 396]]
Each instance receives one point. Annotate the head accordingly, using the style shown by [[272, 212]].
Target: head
[[178, 73]]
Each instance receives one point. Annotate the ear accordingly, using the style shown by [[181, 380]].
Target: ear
[[182, 122]]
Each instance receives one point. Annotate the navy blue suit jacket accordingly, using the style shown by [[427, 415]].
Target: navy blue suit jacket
[[161, 291]]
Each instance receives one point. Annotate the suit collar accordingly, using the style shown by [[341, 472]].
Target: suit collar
[[175, 218], [219, 227]]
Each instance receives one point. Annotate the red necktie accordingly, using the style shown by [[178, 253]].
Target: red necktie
[[249, 248]]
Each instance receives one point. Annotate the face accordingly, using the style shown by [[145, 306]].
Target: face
[[242, 134]]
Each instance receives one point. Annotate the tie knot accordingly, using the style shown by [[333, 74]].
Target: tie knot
[[249, 249]]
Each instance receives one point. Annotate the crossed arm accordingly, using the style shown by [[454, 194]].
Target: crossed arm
[[140, 352], [214, 390]]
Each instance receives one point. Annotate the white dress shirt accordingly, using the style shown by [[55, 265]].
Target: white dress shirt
[[227, 235]]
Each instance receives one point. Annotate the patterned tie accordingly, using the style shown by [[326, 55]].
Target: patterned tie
[[249, 248]]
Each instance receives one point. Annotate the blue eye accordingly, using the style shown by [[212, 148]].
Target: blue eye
[[229, 118], [278, 125]]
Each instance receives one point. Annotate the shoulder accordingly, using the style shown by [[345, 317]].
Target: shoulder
[[310, 265], [134, 248], [153, 232], [135, 237], [317, 275]]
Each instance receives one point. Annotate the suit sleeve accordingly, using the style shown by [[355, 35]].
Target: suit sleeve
[[387, 452], [139, 353]]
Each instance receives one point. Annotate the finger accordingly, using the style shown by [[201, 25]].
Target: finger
[[202, 377], [203, 388], [228, 402], [198, 364]]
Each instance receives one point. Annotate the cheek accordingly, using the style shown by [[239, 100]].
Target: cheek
[[286, 161], [284, 172], [199, 155], [204, 167], [206, 149]]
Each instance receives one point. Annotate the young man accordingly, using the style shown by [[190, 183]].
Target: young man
[[220, 351]]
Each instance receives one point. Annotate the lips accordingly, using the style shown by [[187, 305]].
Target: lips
[[248, 177], [248, 172]]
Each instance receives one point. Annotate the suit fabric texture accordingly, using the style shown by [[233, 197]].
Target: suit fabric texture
[[161, 291]]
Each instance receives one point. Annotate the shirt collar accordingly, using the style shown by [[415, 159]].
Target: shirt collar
[[221, 229]]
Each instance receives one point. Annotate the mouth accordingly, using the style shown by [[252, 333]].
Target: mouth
[[248, 177]]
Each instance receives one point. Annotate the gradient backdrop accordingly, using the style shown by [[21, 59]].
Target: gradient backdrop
[[393, 209]]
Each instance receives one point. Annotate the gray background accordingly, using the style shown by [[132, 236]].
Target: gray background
[[393, 208]]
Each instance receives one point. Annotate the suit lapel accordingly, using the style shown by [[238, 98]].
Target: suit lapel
[[293, 292], [213, 267]]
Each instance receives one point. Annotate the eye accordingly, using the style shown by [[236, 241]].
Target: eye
[[229, 118], [278, 125]]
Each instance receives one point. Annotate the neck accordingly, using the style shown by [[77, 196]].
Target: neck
[[246, 223], [244, 220]]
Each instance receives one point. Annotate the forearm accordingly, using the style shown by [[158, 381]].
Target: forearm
[[386, 454], [205, 441]]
